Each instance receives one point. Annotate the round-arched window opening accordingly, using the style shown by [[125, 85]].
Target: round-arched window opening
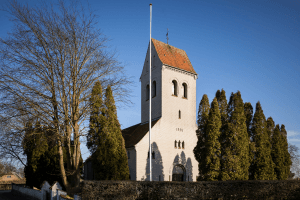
[[154, 89], [174, 88], [178, 173], [147, 92], [184, 90]]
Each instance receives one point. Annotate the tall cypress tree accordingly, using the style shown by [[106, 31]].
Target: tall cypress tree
[[212, 144], [113, 129], [270, 128], [223, 107], [105, 139], [263, 166], [248, 110], [199, 150], [96, 118], [236, 145], [278, 154], [287, 162]]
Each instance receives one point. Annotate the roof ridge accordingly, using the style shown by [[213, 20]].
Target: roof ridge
[[168, 44], [173, 56]]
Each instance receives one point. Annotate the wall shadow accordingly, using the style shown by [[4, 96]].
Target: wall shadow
[[185, 164], [157, 165]]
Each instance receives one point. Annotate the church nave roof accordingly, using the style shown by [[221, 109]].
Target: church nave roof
[[132, 135]]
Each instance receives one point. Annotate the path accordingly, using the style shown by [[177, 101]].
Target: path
[[7, 195]]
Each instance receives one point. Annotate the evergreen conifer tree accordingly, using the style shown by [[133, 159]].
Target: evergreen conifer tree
[[223, 107], [263, 166], [278, 154], [212, 144], [42, 156], [236, 144], [110, 158], [248, 110], [270, 131], [96, 118], [287, 157], [199, 150], [270, 128], [114, 131]]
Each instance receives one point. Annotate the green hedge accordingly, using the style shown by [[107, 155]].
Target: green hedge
[[287, 189]]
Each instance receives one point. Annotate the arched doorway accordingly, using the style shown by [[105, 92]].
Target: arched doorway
[[178, 173]]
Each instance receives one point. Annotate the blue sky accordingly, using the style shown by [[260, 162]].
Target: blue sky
[[250, 46]]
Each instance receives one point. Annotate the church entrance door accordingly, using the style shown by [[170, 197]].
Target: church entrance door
[[178, 173]]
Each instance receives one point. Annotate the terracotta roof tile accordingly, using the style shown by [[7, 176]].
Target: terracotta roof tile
[[173, 56], [132, 135]]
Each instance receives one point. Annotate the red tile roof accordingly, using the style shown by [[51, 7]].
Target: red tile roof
[[173, 56]]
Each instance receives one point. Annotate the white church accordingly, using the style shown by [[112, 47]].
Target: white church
[[173, 135]]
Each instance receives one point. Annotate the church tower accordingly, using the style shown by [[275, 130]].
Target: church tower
[[173, 85], [173, 133]]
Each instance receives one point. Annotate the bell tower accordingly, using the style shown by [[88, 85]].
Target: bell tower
[[173, 85]]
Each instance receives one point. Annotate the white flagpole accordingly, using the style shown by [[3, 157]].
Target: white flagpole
[[150, 97]]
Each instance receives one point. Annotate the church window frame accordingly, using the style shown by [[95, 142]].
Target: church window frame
[[175, 144], [147, 92], [179, 144], [174, 88], [184, 91], [182, 144], [153, 155], [179, 114], [154, 89]]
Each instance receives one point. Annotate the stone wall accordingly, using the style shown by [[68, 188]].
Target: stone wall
[[288, 189], [32, 193]]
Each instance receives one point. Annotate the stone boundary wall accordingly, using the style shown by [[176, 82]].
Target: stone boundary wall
[[272, 190], [22, 189]]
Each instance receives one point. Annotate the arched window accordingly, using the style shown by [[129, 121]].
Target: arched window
[[154, 89], [174, 88], [184, 90], [179, 114], [179, 144], [153, 155], [175, 144], [182, 144], [147, 93]]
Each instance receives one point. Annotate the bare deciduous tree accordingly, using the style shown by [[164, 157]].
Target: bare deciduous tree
[[49, 63], [295, 157]]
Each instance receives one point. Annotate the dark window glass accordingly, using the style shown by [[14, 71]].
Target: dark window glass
[[174, 88]]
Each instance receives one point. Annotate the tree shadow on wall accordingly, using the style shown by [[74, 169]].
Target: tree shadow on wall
[[157, 165], [186, 164]]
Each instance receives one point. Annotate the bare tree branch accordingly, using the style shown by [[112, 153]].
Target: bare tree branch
[[49, 63]]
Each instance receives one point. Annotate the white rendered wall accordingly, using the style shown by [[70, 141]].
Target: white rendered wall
[[155, 76], [169, 128]]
